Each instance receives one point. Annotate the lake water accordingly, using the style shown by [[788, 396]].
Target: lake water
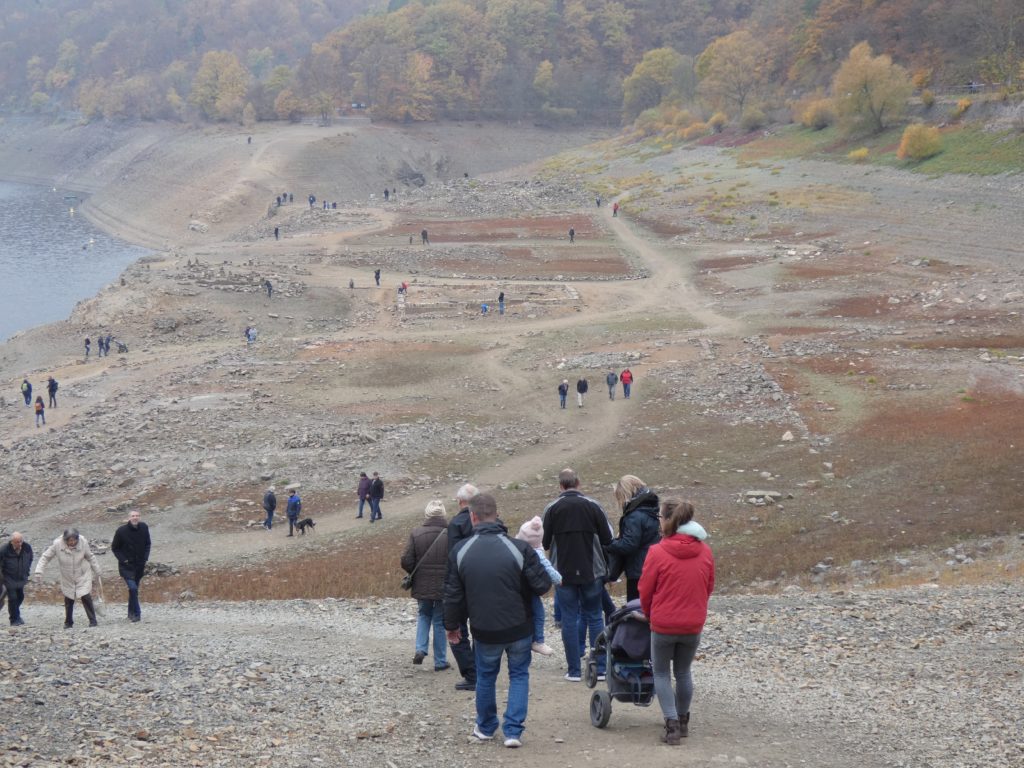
[[50, 258]]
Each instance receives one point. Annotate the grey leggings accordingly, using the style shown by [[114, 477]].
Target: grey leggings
[[677, 650]]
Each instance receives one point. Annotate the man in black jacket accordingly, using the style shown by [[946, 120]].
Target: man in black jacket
[[269, 505], [461, 527], [15, 570], [376, 496], [491, 580], [576, 531], [131, 546], [582, 385]]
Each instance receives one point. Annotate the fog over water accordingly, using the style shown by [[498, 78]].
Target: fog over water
[[51, 258]]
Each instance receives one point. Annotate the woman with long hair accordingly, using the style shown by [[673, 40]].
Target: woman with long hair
[[638, 529]]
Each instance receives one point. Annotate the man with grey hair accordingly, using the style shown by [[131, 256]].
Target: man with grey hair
[[15, 571], [491, 580], [461, 527], [576, 531]]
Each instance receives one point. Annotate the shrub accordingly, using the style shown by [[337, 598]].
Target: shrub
[[922, 78], [717, 122], [695, 131], [752, 119], [927, 98], [919, 142], [683, 118], [961, 107], [817, 114], [858, 155]]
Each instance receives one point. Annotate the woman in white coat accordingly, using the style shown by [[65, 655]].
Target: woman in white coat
[[77, 567]]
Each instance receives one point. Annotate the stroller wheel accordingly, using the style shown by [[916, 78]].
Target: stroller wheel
[[590, 674], [600, 709]]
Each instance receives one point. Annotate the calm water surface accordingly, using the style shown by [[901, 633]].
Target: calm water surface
[[50, 259]]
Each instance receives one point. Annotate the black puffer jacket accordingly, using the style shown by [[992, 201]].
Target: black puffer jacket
[[428, 582], [639, 528], [491, 581], [15, 567]]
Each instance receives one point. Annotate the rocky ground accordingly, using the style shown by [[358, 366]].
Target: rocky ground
[[828, 362]]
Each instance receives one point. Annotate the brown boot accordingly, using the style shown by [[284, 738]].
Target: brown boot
[[671, 736], [684, 725]]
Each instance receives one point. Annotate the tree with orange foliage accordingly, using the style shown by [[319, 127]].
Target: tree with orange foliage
[[869, 92]]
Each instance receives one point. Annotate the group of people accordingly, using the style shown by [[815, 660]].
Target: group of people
[[102, 344], [482, 588], [583, 386], [293, 509], [78, 569], [370, 490], [40, 407]]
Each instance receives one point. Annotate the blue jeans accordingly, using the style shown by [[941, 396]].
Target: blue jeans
[[362, 502], [431, 614], [561, 400], [488, 662], [677, 650], [375, 509], [538, 619], [576, 600], [134, 609], [625, 389], [501, 307], [269, 522]]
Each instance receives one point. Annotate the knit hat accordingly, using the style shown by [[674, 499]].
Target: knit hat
[[434, 508], [532, 532], [271, 489]]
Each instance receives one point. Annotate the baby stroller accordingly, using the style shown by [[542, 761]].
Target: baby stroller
[[626, 641]]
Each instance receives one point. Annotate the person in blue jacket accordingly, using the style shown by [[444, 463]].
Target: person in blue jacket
[[294, 509]]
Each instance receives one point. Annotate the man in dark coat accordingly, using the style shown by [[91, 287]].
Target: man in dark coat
[[376, 496], [491, 580], [131, 546], [293, 510], [51, 389], [582, 385], [15, 570], [461, 527], [269, 505], [426, 557], [363, 492]]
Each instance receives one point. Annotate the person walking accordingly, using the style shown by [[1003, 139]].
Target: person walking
[[575, 533], [15, 571], [675, 587], [424, 237], [78, 568], [26, 391], [277, 230], [269, 506], [131, 545], [270, 288], [563, 392], [490, 581], [387, 194], [532, 532], [460, 527], [615, 210], [88, 346], [51, 390], [426, 559], [376, 497], [376, 277], [293, 510], [363, 492], [572, 234], [611, 380], [626, 377], [501, 303], [40, 411], [581, 389], [639, 528]]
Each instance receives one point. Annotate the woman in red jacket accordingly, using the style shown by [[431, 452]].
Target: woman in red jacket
[[676, 583]]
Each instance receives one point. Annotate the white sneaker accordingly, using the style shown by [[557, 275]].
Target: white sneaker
[[480, 735], [512, 742], [542, 648], [572, 678]]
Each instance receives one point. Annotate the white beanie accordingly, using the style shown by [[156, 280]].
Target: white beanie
[[532, 532], [434, 508]]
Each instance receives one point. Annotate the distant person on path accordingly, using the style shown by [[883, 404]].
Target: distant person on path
[[376, 497], [676, 584], [270, 288], [363, 492], [572, 235], [532, 532], [26, 390], [106, 343], [626, 377], [277, 233], [424, 237], [249, 140], [426, 558], [563, 392], [131, 545], [269, 506], [387, 194], [483, 308], [575, 533], [615, 210], [51, 389], [15, 571], [461, 527], [88, 346], [78, 567], [491, 579], [598, 201], [294, 509], [581, 389], [611, 380], [291, 197], [501, 303], [376, 277], [312, 200], [40, 411], [639, 528]]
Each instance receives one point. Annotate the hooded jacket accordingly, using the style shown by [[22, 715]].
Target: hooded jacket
[[428, 581], [576, 532], [491, 581], [639, 528], [131, 546], [15, 567], [269, 502], [364, 487], [77, 566], [676, 584]]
